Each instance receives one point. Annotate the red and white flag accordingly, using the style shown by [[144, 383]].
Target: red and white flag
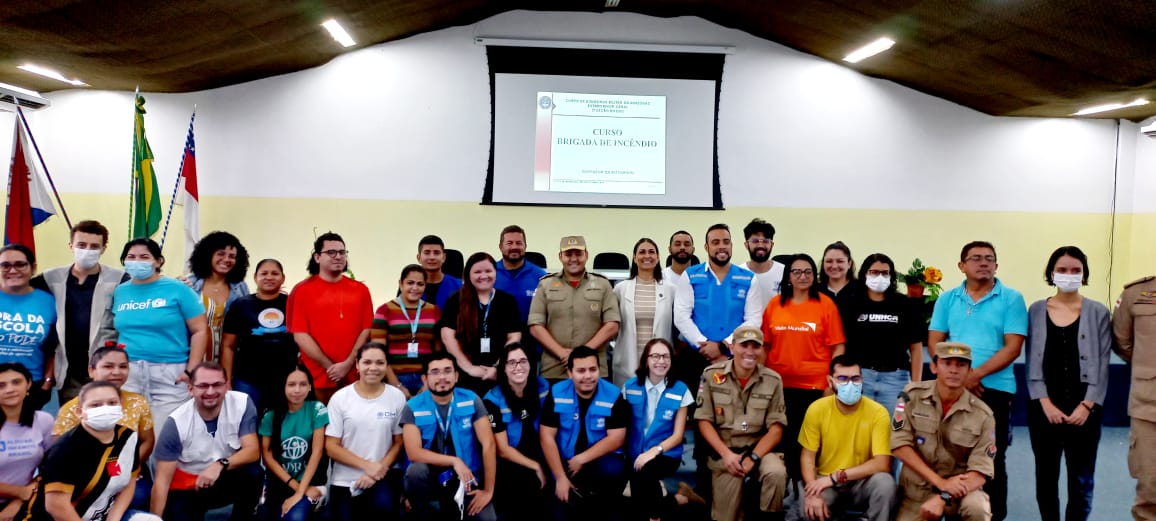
[[28, 201], [187, 195]]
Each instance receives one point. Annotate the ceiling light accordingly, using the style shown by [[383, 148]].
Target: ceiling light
[[338, 33], [36, 69], [1113, 106], [869, 50]]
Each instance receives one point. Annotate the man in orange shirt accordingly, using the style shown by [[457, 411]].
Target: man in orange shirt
[[330, 315]]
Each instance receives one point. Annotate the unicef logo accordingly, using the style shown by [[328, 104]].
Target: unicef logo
[[545, 102], [294, 448], [158, 303]]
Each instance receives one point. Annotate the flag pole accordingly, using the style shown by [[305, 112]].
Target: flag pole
[[44, 166], [132, 171], [177, 185]]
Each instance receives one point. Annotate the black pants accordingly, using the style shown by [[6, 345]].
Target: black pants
[[38, 396], [797, 401], [518, 494], [1000, 404], [646, 491], [1077, 444], [240, 487]]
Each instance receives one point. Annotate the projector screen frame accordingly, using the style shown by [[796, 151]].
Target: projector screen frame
[[599, 62]]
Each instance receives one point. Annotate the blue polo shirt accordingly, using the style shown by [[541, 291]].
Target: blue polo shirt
[[982, 325], [520, 283]]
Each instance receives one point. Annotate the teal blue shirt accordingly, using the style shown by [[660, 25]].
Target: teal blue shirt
[[150, 319], [982, 326], [296, 436]]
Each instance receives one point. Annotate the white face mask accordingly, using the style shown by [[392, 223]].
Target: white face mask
[[1068, 282], [103, 418], [86, 259], [878, 283]]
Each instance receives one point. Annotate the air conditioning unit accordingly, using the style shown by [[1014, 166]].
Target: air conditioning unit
[[10, 96], [1148, 128]]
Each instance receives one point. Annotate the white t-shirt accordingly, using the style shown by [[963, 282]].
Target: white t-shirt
[[365, 427], [766, 285]]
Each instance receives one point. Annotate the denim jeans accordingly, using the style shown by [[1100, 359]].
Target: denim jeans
[[381, 501], [1077, 445], [239, 487], [884, 387], [599, 491], [157, 382]]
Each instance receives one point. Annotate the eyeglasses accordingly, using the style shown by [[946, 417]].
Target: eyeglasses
[[759, 242], [802, 273], [658, 357], [206, 387], [877, 273], [853, 379], [519, 363], [18, 266], [441, 372], [980, 258], [333, 254]]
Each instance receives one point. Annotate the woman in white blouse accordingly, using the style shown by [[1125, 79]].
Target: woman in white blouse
[[646, 303]]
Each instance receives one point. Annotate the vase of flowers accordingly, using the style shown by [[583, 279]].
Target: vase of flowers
[[923, 281]]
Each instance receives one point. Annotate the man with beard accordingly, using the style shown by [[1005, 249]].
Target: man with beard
[[760, 240], [207, 452], [447, 435], [514, 275], [713, 299], [583, 428], [330, 315], [681, 251]]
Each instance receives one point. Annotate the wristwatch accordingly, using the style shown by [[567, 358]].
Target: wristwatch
[[754, 457], [946, 497], [224, 463]]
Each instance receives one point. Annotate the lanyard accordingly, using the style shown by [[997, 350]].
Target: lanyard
[[444, 426], [412, 323], [486, 314]]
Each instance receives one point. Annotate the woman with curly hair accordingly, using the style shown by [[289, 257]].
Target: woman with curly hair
[[217, 269]]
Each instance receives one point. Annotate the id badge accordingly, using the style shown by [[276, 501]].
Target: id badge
[[485, 344], [411, 350]]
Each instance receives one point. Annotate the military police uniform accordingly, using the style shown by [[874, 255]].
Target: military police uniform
[[572, 314], [742, 415], [1134, 325], [963, 440]]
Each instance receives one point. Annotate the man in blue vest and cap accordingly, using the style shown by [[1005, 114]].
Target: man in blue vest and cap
[[583, 428], [449, 442]]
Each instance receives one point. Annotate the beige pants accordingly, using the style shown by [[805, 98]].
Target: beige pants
[[973, 507], [1142, 466], [727, 503]]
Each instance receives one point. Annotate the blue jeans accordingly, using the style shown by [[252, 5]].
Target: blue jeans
[[884, 387], [275, 495], [377, 502], [251, 390], [411, 381], [240, 487], [599, 491]]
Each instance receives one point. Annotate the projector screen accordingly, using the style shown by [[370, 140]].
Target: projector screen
[[608, 139]]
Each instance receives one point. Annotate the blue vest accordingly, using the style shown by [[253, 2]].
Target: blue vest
[[566, 405], [514, 425], [639, 439], [718, 308], [461, 425]]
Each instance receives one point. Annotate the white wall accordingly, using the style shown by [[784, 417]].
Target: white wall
[[409, 120]]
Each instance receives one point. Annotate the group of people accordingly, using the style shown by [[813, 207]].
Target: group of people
[[511, 392]]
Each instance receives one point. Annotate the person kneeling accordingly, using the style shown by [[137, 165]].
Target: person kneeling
[[207, 452], [947, 456], [582, 431], [90, 473], [450, 445], [849, 435]]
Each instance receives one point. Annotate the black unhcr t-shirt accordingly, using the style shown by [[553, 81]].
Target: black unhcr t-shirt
[[90, 472]]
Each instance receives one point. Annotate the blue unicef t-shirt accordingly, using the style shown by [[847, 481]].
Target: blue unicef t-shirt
[[150, 319], [26, 322]]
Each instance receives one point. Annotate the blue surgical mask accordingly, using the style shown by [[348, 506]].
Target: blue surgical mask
[[849, 393], [139, 269]]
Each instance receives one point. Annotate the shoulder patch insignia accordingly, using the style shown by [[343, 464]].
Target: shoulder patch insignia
[[1137, 281], [900, 416], [719, 378], [991, 449]]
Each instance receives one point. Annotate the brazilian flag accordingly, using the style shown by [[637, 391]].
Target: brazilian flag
[[146, 203]]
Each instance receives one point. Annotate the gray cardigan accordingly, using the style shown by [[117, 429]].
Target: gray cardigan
[[1094, 342]]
